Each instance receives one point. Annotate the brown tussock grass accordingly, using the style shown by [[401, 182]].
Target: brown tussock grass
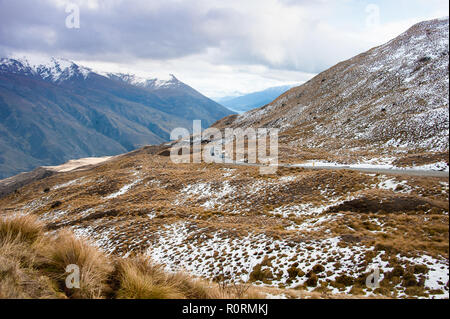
[[20, 228], [94, 265], [33, 265]]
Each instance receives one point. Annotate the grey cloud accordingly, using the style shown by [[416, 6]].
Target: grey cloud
[[171, 31], [129, 30], [166, 29]]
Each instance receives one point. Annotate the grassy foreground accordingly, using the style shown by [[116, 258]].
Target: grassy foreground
[[33, 265]]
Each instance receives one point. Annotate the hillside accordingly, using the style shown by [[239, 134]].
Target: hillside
[[54, 111], [253, 100], [33, 265], [310, 231], [389, 103], [300, 232]]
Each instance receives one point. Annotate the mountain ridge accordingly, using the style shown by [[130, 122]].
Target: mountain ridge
[[54, 112], [246, 102], [389, 101]]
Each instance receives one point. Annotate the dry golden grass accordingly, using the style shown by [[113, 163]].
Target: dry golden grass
[[94, 266], [20, 238], [33, 265], [140, 280], [411, 219], [21, 228]]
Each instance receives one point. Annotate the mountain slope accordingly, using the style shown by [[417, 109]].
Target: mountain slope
[[300, 229], [53, 112], [390, 100], [253, 100]]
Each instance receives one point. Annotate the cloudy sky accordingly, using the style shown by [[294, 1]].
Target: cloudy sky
[[218, 47]]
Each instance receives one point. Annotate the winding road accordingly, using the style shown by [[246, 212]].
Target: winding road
[[373, 170]]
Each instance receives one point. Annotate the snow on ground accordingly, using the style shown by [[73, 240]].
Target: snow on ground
[[52, 215], [215, 253], [123, 190], [314, 224], [240, 255], [216, 200], [375, 164], [308, 209], [100, 239], [203, 252], [34, 205], [445, 187], [228, 172], [438, 275], [79, 181], [280, 296], [393, 184], [439, 166], [287, 179]]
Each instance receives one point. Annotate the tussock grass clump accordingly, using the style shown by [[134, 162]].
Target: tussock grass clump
[[20, 228], [138, 279], [199, 289], [33, 265], [94, 265], [20, 237]]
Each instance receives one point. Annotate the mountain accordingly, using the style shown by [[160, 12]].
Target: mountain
[[391, 101], [295, 231], [55, 110], [302, 232], [253, 100]]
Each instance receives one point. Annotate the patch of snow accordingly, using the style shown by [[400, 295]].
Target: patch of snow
[[123, 190]]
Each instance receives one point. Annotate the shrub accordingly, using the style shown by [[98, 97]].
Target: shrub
[[398, 271], [344, 280], [56, 204], [409, 280], [193, 288], [295, 272], [318, 268], [312, 280], [420, 269], [258, 274]]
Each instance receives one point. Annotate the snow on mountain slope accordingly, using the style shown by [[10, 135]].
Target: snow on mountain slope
[[53, 69], [53, 110], [390, 99], [59, 70], [149, 83]]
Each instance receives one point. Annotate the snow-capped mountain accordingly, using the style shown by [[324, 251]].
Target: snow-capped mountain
[[53, 69], [58, 70], [53, 110], [149, 83], [392, 99]]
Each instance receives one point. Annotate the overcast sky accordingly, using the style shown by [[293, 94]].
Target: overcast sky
[[218, 47]]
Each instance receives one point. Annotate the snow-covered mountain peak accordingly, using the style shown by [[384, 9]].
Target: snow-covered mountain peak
[[146, 82], [52, 69], [59, 70]]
